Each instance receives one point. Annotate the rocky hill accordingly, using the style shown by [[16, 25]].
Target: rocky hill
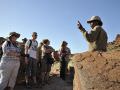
[[115, 45]]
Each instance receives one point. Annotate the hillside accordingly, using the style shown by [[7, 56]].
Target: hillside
[[115, 45]]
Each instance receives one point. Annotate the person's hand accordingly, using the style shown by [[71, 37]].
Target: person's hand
[[79, 25]]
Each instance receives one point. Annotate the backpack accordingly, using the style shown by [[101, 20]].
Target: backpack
[[1, 51], [31, 43], [48, 56]]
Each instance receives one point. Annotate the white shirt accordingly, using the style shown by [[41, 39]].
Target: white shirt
[[32, 51]]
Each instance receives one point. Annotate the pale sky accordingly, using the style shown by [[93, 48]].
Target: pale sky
[[56, 20]]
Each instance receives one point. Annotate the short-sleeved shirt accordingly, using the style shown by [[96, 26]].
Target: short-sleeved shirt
[[32, 51], [8, 48]]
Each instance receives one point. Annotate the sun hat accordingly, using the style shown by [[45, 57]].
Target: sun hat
[[95, 18]]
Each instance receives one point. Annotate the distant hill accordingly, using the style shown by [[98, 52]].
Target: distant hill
[[115, 45]]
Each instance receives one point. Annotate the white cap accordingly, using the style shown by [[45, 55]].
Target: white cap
[[94, 18]]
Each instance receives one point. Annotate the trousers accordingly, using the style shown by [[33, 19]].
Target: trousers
[[8, 73]]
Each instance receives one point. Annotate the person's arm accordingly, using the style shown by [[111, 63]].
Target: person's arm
[[37, 58], [92, 35], [39, 52], [60, 52], [5, 48], [69, 51], [26, 51], [80, 27]]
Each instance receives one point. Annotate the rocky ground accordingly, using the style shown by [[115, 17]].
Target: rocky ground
[[56, 83]]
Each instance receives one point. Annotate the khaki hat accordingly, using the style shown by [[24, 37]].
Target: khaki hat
[[95, 18], [14, 34]]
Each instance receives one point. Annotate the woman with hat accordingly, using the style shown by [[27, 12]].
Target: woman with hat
[[10, 63], [64, 56], [46, 60], [97, 37]]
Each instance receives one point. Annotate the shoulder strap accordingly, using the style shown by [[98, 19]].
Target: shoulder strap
[[8, 43], [30, 43], [37, 43]]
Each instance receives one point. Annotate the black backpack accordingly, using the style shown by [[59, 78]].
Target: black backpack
[[31, 43], [1, 51]]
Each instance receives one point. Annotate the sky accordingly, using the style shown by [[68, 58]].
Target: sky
[[56, 20]]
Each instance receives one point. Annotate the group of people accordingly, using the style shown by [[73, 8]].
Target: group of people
[[35, 59], [10, 61]]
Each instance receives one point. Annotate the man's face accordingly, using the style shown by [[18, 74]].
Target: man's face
[[14, 38], [34, 36], [93, 24]]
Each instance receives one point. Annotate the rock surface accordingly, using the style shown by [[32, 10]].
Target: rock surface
[[97, 71]]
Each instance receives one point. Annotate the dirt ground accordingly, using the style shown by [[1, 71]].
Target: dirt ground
[[55, 83]]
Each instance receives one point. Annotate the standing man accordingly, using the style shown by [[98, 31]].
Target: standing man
[[97, 37], [31, 59]]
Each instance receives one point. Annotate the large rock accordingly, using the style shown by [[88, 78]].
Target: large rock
[[117, 40], [97, 71]]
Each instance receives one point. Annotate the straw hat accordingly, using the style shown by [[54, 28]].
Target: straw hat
[[14, 34]]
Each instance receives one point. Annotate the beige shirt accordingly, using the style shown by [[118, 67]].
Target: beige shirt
[[96, 38]]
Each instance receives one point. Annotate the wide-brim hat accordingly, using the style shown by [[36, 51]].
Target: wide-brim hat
[[14, 34], [95, 18], [64, 42]]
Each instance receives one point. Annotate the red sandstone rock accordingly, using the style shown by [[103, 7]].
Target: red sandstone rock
[[97, 71]]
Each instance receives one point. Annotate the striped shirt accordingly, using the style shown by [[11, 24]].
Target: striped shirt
[[10, 48]]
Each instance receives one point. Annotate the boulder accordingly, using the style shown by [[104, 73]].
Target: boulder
[[97, 71]]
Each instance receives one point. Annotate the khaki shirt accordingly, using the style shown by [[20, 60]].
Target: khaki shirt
[[96, 38]]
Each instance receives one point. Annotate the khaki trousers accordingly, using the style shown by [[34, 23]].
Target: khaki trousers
[[8, 73]]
